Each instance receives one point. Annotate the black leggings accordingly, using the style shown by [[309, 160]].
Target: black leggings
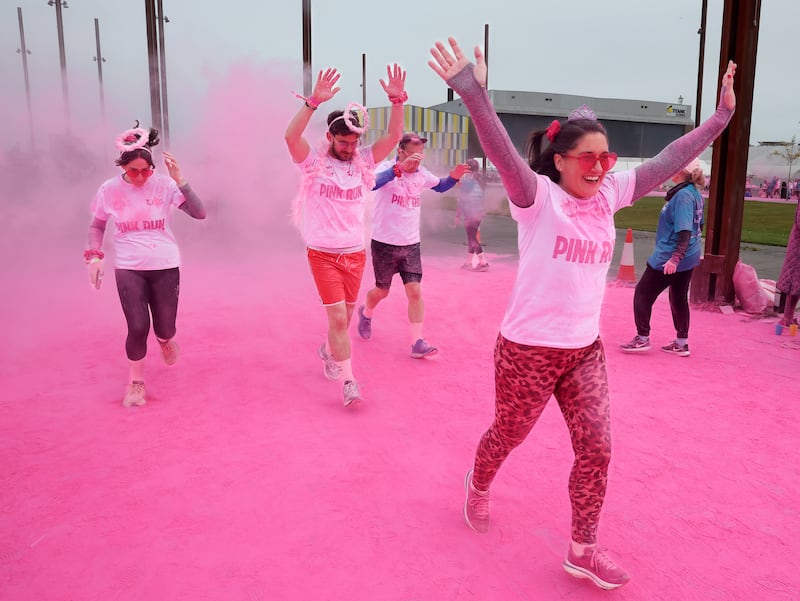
[[142, 293], [471, 226], [652, 284]]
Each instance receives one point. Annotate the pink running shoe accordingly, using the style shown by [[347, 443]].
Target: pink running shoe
[[134, 394], [476, 506], [595, 565], [169, 351], [332, 370], [350, 393]]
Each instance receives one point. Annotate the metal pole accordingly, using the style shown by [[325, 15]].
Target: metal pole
[[306, 48], [99, 58], [364, 79], [700, 61], [740, 25], [486, 57], [152, 62], [62, 57], [486, 51], [24, 52], [163, 69]]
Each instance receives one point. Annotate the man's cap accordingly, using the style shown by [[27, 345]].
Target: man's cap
[[409, 138]]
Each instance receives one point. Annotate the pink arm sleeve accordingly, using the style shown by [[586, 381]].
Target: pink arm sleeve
[[518, 178], [677, 154], [191, 205], [96, 231]]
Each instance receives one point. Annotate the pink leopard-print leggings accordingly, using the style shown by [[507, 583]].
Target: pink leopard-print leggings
[[525, 378]]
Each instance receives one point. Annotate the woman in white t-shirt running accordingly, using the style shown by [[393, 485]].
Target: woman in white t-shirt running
[[563, 199], [146, 252]]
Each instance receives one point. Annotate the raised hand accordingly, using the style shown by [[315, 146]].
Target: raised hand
[[174, 169], [411, 163], [727, 97], [324, 88], [396, 81], [446, 65], [459, 171]]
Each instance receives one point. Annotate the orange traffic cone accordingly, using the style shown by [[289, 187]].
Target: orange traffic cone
[[626, 272]]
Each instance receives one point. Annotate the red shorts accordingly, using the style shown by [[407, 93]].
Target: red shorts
[[337, 276]]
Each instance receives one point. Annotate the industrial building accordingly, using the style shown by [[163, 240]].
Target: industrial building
[[637, 129]]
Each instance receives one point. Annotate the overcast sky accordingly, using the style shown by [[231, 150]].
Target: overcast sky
[[639, 49]]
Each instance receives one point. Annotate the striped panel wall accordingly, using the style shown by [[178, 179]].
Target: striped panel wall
[[447, 133]]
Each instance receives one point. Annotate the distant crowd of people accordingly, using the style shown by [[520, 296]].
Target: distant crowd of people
[[773, 187]]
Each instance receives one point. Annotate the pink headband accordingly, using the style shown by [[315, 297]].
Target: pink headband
[[349, 119], [133, 139]]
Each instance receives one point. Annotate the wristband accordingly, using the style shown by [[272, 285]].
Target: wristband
[[397, 171], [399, 99], [310, 102], [92, 253]]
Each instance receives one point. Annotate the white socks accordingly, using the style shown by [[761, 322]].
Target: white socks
[[137, 370], [347, 369]]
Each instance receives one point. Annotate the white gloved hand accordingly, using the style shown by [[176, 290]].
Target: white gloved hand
[[96, 272]]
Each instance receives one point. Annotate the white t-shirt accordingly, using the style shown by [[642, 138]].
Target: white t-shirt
[[397, 211], [143, 237], [333, 196], [565, 250]]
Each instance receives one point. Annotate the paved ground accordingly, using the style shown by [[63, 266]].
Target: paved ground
[[244, 479]]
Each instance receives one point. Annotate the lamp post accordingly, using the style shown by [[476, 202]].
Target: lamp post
[[24, 52], [306, 48], [364, 79], [161, 19], [702, 33], [62, 57], [100, 60], [152, 64]]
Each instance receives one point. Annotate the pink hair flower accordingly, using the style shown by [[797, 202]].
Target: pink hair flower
[[553, 130]]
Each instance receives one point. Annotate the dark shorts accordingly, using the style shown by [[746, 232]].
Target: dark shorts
[[388, 259]]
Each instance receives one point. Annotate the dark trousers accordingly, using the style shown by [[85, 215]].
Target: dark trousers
[[471, 226], [652, 284], [143, 292]]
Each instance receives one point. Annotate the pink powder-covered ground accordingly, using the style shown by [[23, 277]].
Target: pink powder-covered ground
[[244, 478]]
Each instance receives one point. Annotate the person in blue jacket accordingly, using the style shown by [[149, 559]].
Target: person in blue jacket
[[677, 252]]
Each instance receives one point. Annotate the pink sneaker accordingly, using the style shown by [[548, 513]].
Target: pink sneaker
[[169, 351], [332, 370], [476, 506], [134, 394], [595, 565]]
